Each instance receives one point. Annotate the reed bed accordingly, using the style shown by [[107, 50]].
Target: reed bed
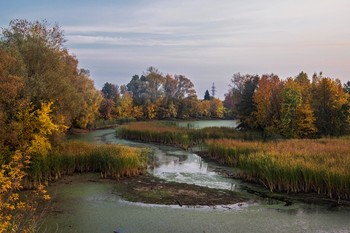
[[164, 132], [201, 135], [111, 161], [156, 132], [321, 166]]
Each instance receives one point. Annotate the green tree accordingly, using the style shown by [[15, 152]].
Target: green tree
[[110, 91], [246, 107], [347, 87], [234, 102], [291, 102], [206, 95]]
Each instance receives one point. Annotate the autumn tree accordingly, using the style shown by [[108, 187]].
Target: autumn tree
[[267, 99], [331, 106], [204, 109], [184, 88], [216, 108], [107, 109], [49, 72], [155, 81], [89, 100], [34, 128], [162, 97], [124, 108]]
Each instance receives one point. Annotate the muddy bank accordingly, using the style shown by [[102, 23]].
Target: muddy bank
[[149, 189], [152, 190]]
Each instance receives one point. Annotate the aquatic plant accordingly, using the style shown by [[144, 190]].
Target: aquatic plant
[[156, 132], [321, 166], [167, 132], [111, 161]]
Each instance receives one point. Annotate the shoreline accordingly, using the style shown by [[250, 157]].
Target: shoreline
[[148, 189]]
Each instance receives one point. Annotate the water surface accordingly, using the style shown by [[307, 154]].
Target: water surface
[[207, 123]]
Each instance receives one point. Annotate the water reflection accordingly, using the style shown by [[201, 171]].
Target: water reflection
[[209, 123], [186, 167]]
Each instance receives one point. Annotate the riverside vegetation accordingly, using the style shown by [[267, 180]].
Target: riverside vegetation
[[166, 132], [307, 165], [111, 161]]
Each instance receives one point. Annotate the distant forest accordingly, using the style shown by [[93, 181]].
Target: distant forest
[[37, 72]]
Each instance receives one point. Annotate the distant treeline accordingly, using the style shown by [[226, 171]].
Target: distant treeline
[[37, 69], [291, 108], [157, 96]]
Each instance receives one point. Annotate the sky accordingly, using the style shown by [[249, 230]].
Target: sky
[[206, 40]]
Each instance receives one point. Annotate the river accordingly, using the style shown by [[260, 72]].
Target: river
[[85, 206]]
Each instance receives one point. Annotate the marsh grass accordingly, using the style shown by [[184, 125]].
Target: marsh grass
[[165, 132], [309, 165], [111, 161], [156, 132], [321, 166]]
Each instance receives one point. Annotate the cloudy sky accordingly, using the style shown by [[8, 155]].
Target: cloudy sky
[[205, 40]]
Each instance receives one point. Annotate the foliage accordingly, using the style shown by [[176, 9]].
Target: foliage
[[155, 96], [34, 127], [246, 106], [49, 72], [331, 107], [268, 100], [294, 108]]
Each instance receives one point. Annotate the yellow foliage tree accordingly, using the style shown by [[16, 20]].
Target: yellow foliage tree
[[17, 215]]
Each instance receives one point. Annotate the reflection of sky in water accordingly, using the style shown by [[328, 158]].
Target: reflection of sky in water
[[209, 123], [185, 167]]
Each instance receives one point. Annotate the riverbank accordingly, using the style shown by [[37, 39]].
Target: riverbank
[[152, 190]]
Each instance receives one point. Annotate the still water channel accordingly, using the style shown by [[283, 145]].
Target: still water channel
[[85, 206]]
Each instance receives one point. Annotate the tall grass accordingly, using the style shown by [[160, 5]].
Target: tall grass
[[168, 133], [321, 166], [111, 161], [156, 132]]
